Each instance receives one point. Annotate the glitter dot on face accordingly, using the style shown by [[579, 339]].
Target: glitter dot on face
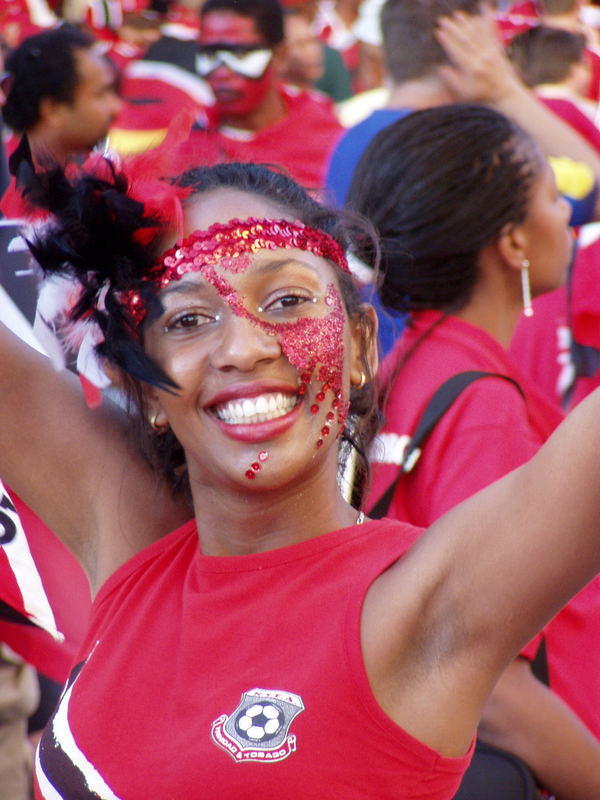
[[255, 466], [250, 474], [324, 431], [263, 455], [314, 409], [319, 443]]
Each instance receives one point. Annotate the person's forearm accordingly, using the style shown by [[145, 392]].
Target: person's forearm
[[554, 136], [524, 717], [480, 72]]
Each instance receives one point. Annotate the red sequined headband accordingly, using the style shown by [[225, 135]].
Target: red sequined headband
[[222, 243]]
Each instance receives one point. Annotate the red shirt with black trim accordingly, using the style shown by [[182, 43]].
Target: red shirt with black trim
[[488, 431], [237, 677]]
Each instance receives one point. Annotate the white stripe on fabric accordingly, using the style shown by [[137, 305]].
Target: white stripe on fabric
[[388, 448], [46, 788], [64, 737], [193, 85], [18, 554]]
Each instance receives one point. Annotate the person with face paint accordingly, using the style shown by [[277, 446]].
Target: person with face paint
[[255, 117], [277, 643]]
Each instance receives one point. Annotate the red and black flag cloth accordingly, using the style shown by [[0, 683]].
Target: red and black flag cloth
[[44, 596]]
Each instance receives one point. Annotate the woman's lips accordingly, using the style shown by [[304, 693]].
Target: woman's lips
[[257, 418]]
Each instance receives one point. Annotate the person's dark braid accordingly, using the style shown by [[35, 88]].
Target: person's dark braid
[[438, 186]]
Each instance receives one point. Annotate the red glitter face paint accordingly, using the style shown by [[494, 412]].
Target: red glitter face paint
[[229, 245], [313, 345], [308, 343], [256, 465]]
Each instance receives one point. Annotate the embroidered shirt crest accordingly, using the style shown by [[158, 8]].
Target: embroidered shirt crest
[[258, 729]]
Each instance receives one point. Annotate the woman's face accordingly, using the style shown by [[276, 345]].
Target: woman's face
[[549, 238], [263, 352]]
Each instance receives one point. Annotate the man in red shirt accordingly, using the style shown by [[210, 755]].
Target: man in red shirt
[[62, 101], [255, 117]]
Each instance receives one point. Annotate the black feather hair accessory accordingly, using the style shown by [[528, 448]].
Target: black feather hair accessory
[[104, 231], [92, 237]]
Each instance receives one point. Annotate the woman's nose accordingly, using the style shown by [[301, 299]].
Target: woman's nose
[[243, 343]]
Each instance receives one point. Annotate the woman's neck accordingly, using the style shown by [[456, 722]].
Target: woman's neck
[[233, 522], [499, 322], [495, 303]]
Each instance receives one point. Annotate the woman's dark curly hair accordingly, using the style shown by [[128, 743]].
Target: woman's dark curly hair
[[439, 185], [94, 237]]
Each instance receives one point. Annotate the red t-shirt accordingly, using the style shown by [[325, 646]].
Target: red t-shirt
[[573, 116], [301, 142], [489, 430], [237, 677], [541, 345], [573, 649]]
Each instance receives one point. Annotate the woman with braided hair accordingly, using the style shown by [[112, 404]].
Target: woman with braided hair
[[277, 644], [472, 227]]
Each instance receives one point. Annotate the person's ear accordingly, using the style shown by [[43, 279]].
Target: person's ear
[[155, 414], [364, 351], [512, 245], [51, 112]]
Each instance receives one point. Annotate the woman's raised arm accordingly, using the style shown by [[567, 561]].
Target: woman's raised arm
[[439, 628], [77, 468]]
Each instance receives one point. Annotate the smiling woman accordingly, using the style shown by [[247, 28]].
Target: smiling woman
[[263, 647], [270, 283]]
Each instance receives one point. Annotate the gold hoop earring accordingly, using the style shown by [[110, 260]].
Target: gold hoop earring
[[526, 288], [155, 426], [363, 382]]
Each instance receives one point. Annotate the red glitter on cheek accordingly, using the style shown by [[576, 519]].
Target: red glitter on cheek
[[317, 344], [307, 342], [312, 345]]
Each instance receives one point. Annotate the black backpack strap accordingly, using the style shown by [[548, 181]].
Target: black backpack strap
[[440, 402]]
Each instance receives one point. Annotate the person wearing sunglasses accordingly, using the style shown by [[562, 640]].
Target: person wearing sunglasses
[[255, 117]]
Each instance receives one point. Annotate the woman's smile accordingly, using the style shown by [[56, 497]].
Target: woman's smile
[[250, 410], [257, 411]]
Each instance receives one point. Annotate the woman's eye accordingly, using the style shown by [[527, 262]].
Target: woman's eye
[[189, 320], [288, 300]]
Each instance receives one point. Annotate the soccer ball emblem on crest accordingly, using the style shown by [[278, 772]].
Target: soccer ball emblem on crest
[[259, 723], [258, 729]]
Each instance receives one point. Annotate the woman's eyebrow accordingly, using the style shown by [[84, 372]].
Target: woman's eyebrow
[[186, 286], [272, 265], [192, 285]]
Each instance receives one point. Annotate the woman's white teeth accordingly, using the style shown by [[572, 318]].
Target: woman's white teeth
[[256, 409]]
